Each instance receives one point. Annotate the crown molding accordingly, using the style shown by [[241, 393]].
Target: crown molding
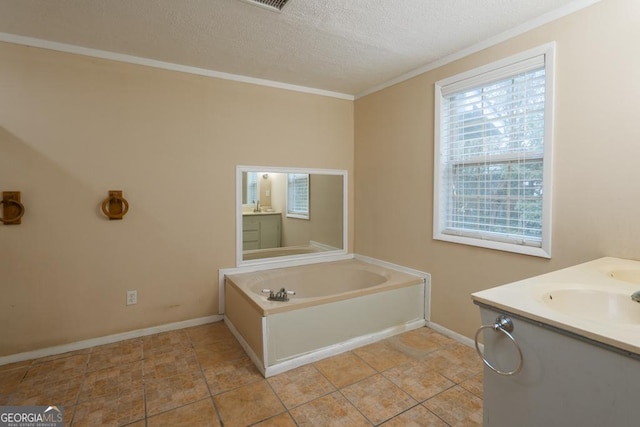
[[113, 56], [130, 59]]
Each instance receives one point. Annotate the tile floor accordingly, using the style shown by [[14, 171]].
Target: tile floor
[[200, 376]]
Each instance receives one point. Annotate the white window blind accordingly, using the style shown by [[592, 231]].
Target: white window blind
[[492, 133], [298, 195]]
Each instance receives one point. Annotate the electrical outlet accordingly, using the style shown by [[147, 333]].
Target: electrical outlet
[[132, 297]]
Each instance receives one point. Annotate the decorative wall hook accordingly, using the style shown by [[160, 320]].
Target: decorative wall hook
[[12, 209], [115, 206]]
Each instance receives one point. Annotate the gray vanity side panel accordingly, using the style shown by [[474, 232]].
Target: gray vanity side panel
[[564, 381]]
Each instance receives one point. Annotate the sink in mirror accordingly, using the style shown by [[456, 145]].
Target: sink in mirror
[[593, 304], [289, 213], [628, 275]]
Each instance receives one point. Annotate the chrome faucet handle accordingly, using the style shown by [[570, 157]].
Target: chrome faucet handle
[[636, 296]]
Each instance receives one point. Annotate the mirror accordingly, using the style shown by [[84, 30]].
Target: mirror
[[289, 213]]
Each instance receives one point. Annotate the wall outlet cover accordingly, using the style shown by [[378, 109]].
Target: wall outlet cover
[[132, 297]]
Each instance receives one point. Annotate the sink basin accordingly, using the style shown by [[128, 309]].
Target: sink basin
[[594, 305], [629, 276]]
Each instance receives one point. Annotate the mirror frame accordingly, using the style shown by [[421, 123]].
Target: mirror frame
[[303, 257]]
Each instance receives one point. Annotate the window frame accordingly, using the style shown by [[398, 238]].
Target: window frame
[[484, 75]]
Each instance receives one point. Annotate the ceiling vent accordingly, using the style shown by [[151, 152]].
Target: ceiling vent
[[273, 5]]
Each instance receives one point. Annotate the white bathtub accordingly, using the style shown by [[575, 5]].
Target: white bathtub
[[337, 306], [280, 252]]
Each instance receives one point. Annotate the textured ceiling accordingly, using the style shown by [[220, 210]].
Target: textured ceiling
[[343, 46]]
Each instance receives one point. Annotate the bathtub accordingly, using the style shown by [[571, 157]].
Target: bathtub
[[279, 252], [337, 306]]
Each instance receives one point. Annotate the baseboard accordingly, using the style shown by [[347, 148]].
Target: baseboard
[[454, 335], [92, 342]]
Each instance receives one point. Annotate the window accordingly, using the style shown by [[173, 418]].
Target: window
[[252, 187], [492, 168], [298, 195]]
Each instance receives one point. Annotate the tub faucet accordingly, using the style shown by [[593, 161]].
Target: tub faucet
[[281, 295], [636, 296]]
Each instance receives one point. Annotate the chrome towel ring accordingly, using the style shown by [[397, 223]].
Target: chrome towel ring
[[504, 325]]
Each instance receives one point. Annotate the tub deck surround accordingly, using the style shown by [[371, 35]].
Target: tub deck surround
[[338, 306], [581, 291], [257, 254], [318, 283]]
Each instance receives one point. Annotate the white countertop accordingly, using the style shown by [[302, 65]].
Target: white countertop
[[261, 213], [530, 299]]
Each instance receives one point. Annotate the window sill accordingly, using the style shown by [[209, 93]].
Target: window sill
[[542, 252]]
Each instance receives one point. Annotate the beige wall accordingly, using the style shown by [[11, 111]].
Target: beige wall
[[74, 127], [326, 207], [596, 199]]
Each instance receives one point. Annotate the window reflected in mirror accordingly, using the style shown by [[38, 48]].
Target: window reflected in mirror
[[298, 195], [250, 189]]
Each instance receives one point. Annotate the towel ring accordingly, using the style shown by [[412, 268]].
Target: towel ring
[[113, 198], [20, 211], [504, 325]]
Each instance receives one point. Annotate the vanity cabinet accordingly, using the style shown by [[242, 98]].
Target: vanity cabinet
[[579, 332], [566, 380], [261, 230]]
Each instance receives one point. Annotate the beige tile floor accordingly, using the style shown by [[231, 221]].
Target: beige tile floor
[[201, 376]]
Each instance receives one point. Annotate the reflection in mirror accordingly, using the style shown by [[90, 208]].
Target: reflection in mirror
[[249, 187], [290, 212]]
